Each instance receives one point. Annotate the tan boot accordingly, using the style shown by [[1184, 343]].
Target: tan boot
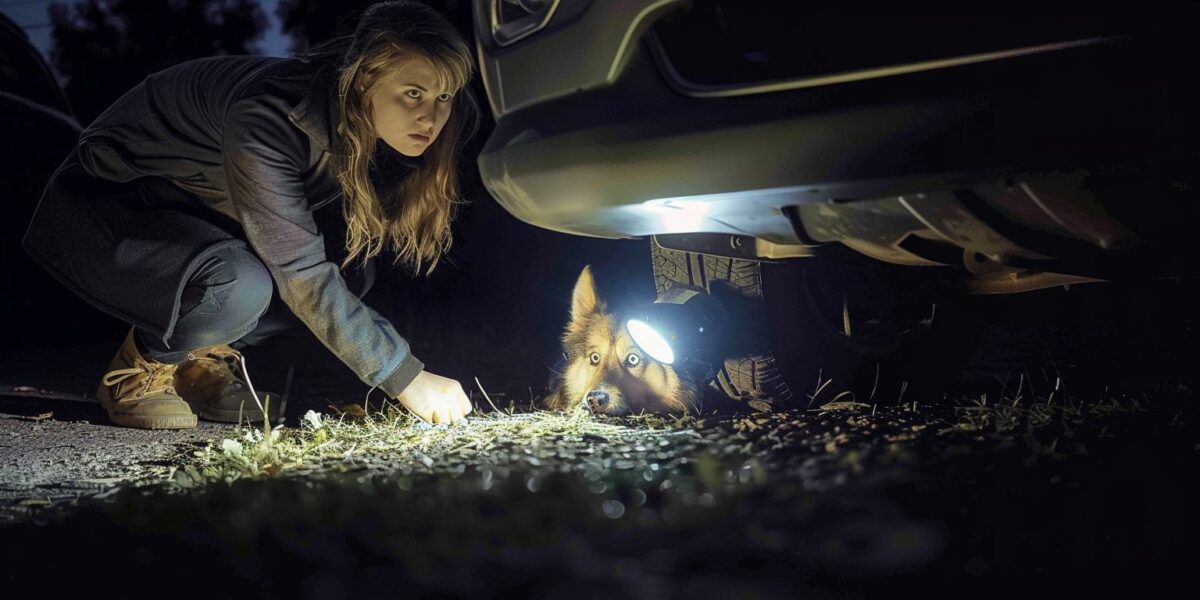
[[138, 392], [213, 383]]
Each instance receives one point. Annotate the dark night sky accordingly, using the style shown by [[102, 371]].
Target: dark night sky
[[31, 16]]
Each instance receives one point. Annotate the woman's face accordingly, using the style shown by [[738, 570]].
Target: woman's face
[[408, 108]]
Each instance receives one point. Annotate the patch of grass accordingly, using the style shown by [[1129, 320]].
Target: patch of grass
[[394, 436], [1009, 417], [839, 436]]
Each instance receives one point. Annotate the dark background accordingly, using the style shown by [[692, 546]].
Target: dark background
[[494, 308]]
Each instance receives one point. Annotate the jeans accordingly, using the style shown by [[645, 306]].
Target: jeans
[[229, 299], [152, 255]]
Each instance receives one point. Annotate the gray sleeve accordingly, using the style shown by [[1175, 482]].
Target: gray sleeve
[[264, 155]]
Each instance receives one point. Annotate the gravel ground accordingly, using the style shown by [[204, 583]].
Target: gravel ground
[[57, 445], [834, 503], [52, 451]]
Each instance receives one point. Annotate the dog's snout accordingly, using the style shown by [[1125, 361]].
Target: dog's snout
[[598, 399]]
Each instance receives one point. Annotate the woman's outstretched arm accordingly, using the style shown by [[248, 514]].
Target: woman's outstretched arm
[[264, 157]]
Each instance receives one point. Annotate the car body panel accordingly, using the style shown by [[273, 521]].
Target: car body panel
[[588, 54], [1034, 135]]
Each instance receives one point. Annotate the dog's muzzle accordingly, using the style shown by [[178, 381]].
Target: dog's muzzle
[[597, 399]]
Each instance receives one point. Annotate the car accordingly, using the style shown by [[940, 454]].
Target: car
[[39, 129], [862, 172], [38, 123]]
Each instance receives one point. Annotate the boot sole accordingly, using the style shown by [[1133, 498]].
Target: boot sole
[[156, 422], [231, 416]]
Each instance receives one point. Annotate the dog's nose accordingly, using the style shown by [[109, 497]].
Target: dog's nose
[[598, 399]]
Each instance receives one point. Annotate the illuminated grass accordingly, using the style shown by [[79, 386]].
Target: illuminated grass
[[395, 437], [846, 434]]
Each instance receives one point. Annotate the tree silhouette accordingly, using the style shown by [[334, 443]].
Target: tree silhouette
[[104, 47]]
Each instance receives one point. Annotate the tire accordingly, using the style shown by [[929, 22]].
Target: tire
[[749, 378], [838, 327], [854, 329]]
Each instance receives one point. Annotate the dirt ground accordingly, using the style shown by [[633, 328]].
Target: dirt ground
[[1089, 489]]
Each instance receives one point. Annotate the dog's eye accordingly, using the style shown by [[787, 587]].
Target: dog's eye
[[595, 358], [633, 360]]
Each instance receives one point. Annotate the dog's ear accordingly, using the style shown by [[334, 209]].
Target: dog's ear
[[583, 299]]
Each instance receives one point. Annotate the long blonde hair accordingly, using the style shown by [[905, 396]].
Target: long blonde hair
[[411, 217]]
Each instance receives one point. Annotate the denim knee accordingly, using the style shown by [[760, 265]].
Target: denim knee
[[221, 302]]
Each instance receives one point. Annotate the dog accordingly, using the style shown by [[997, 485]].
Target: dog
[[605, 368]]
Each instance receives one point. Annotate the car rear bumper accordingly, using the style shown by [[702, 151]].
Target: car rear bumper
[[638, 157]]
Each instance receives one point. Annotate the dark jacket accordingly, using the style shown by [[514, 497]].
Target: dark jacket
[[249, 138]]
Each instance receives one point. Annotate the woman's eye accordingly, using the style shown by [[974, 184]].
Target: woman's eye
[[633, 360], [445, 98], [413, 94], [595, 358]]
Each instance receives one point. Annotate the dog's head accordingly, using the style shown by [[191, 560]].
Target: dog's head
[[606, 369]]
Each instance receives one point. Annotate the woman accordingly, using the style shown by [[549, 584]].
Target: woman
[[194, 194]]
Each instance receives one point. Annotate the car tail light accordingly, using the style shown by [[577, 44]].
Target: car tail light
[[513, 20]]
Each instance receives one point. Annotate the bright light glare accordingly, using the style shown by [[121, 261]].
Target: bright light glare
[[679, 216], [650, 341]]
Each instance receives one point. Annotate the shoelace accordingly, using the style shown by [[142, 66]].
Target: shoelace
[[160, 375], [228, 358]]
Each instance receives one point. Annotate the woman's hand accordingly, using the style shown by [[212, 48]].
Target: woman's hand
[[435, 399]]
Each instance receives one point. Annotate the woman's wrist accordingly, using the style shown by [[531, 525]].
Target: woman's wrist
[[404, 374]]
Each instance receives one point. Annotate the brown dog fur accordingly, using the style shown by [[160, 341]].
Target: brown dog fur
[[602, 360]]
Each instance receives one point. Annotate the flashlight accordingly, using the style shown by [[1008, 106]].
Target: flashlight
[[683, 329]]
